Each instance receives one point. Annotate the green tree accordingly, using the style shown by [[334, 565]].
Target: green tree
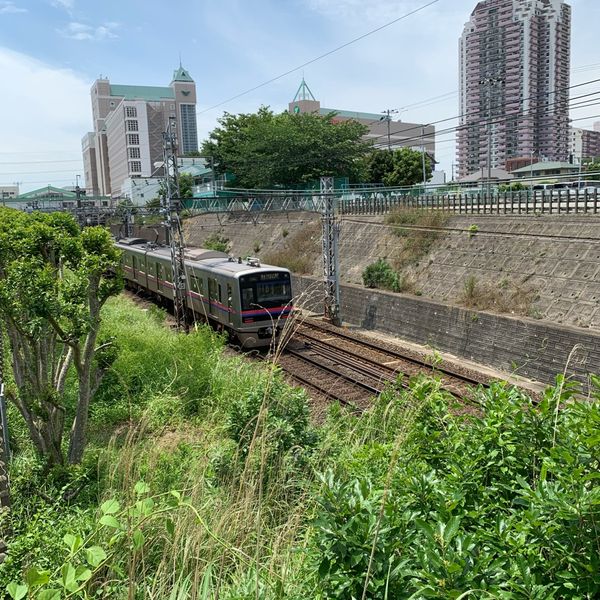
[[186, 184], [264, 149], [53, 283], [403, 166], [593, 167]]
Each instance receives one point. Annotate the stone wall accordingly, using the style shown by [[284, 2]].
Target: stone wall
[[550, 264], [527, 347]]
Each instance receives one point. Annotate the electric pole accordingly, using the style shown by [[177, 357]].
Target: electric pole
[[488, 83], [387, 112], [170, 209], [77, 191], [331, 271], [423, 157]]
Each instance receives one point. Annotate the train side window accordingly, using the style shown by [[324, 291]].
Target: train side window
[[229, 296], [196, 284], [220, 294], [212, 287]]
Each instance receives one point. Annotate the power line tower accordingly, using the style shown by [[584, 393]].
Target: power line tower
[[331, 234], [170, 209]]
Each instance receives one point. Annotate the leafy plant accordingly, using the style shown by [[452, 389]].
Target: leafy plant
[[381, 275], [217, 242]]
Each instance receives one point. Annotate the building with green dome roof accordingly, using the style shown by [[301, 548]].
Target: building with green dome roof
[[128, 123]]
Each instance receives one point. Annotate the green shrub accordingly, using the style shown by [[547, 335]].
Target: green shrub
[[277, 412], [381, 275], [217, 242], [504, 501]]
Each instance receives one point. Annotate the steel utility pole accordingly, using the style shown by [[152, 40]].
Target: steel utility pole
[[388, 112], [488, 83], [423, 157], [331, 271], [170, 209]]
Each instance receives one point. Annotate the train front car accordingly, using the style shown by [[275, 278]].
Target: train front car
[[266, 304]]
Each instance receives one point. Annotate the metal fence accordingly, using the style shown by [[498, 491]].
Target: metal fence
[[510, 203], [382, 201]]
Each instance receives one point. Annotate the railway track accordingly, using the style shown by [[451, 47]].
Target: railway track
[[352, 369]]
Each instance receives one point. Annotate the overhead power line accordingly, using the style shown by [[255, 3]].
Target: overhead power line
[[322, 56], [479, 111], [41, 162]]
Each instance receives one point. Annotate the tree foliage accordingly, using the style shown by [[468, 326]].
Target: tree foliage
[[403, 166], [186, 183], [53, 283], [265, 150], [593, 167]]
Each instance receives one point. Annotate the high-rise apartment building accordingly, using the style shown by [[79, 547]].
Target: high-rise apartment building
[[514, 80], [129, 121], [584, 144]]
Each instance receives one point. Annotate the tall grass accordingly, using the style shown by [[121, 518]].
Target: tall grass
[[243, 498]]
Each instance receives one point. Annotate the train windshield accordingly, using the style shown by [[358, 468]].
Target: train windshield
[[265, 290]]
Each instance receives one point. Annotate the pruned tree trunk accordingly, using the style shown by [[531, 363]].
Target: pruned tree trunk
[[4, 481], [83, 359]]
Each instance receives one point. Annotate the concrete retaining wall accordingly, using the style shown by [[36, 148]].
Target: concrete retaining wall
[[534, 349], [554, 259]]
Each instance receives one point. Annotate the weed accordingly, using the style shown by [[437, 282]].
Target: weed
[[301, 252], [217, 242], [256, 246], [381, 275], [470, 290], [473, 229], [285, 233], [418, 236], [508, 296]]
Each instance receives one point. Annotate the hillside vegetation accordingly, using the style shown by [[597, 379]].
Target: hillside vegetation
[[205, 478]]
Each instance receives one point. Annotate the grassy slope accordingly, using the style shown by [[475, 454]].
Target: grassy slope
[[425, 501]]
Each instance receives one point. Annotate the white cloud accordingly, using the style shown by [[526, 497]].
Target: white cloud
[[66, 4], [81, 31], [46, 113], [359, 11], [7, 7]]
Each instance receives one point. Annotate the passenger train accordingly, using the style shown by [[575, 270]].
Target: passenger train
[[248, 300]]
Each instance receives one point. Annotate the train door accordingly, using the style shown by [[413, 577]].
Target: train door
[[134, 266], [212, 296], [230, 304], [158, 269]]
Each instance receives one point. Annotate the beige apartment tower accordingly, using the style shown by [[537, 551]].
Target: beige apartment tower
[[128, 122], [514, 84]]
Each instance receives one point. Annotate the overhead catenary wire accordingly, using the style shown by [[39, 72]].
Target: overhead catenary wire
[[482, 121], [478, 112]]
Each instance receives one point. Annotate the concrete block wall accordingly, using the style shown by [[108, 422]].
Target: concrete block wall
[[247, 232], [531, 348], [556, 258]]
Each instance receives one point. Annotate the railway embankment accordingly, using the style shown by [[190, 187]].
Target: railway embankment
[[545, 267]]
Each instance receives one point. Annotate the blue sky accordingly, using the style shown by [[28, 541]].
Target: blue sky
[[52, 50]]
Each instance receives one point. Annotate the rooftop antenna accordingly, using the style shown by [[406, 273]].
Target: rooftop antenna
[[304, 92]]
